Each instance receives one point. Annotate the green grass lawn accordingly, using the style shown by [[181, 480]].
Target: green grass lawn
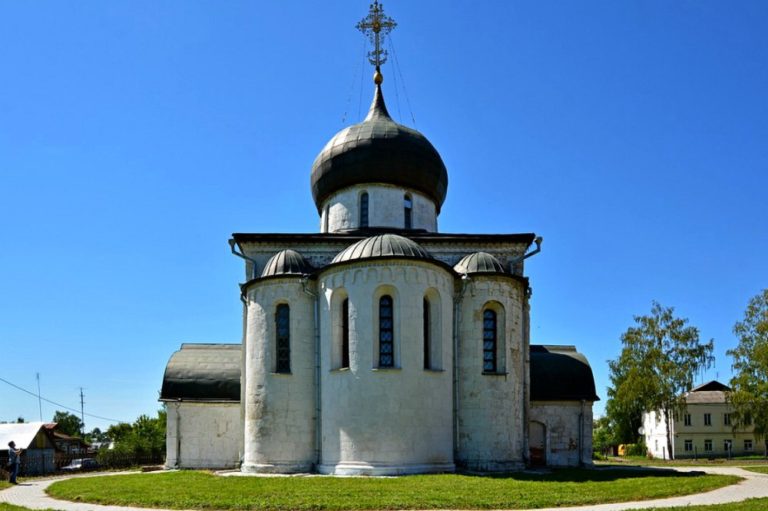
[[643, 461], [761, 469], [202, 490], [747, 505]]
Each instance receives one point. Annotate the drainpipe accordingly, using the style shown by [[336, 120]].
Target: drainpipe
[[318, 404], [526, 374], [241, 255], [456, 312], [514, 262], [178, 435], [581, 434]]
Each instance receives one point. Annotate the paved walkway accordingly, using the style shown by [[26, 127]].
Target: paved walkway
[[31, 494]]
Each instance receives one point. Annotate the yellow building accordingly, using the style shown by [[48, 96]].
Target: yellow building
[[705, 429]]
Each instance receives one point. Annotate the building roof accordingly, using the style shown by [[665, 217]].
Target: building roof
[[286, 262], [22, 434], [203, 372], [560, 373], [383, 245], [709, 393], [378, 150], [479, 262]]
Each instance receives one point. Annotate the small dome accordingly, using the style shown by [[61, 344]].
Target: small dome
[[479, 262], [384, 245], [378, 150], [286, 262]]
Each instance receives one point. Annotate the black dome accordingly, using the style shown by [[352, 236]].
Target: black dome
[[286, 262], [378, 150]]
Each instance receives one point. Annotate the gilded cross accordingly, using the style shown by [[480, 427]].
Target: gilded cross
[[376, 25]]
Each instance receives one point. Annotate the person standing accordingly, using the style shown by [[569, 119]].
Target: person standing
[[14, 460]]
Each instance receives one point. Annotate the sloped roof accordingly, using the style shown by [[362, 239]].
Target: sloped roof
[[560, 373], [712, 392], [203, 372], [21, 434]]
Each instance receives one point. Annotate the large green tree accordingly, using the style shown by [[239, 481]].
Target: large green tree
[[68, 423], [660, 356], [749, 384]]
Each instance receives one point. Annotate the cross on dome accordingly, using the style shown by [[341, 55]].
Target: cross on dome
[[376, 26]]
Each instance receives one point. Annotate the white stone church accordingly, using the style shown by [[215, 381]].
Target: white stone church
[[379, 345]]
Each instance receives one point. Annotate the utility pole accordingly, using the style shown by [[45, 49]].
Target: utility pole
[[82, 413], [39, 399]]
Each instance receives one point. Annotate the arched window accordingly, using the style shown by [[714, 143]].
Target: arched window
[[427, 335], [386, 332], [364, 209], [407, 209], [489, 341], [283, 338], [345, 333]]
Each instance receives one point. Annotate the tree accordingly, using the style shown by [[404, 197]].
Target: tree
[[140, 442], [749, 386], [658, 360], [68, 423]]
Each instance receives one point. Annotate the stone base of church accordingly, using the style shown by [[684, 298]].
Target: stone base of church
[[491, 465], [351, 468], [276, 468]]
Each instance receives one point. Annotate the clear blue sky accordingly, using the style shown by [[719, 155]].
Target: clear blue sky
[[136, 136]]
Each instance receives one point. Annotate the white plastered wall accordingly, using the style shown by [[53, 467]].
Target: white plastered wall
[[386, 421], [341, 211], [491, 430], [279, 409], [203, 435], [564, 432]]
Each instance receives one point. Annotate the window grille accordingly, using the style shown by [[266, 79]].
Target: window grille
[[407, 211], [345, 333], [427, 340], [364, 210], [283, 330], [489, 341], [708, 445], [386, 332]]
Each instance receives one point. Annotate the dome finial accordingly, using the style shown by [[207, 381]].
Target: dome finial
[[376, 26]]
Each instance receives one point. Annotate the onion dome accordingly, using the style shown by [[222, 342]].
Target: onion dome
[[384, 245], [479, 262], [378, 150], [286, 262]]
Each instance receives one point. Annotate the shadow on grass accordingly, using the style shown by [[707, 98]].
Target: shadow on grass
[[602, 474]]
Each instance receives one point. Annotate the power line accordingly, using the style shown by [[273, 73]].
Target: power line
[[57, 404]]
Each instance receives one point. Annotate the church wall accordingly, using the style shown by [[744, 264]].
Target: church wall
[[491, 430], [385, 209], [389, 421], [563, 434], [209, 435], [279, 408]]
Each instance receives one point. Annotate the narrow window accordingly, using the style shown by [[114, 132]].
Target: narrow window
[[364, 210], [747, 445], [427, 340], [283, 329], [489, 341], [708, 445], [707, 419], [727, 419], [727, 445], [688, 445], [407, 208], [687, 419], [386, 332], [345, 333]]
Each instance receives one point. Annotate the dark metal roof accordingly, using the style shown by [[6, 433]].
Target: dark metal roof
[[378, 150], [479, 262], [432, 237], [713, 385], [203, 372], [384, 245], [560, 373], [286, 262]]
